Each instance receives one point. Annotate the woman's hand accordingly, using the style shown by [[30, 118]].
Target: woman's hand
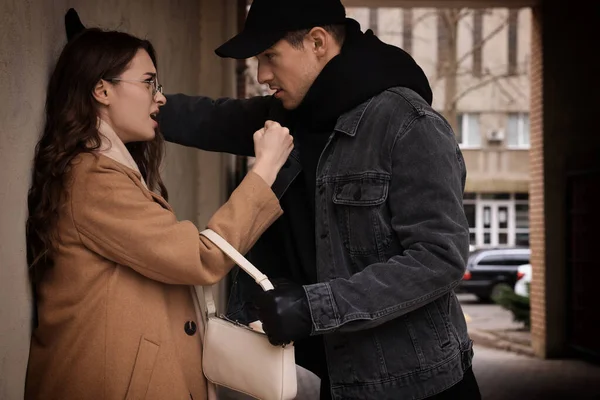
[[272, 146]]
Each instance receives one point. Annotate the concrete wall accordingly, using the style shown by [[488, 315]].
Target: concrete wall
[[31, 37], [497, 170]]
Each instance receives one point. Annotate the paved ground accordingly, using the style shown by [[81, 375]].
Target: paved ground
[[507, 376], [485, 316], [491, 325]]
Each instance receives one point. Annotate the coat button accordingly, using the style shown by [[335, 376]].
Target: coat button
[[358, 194], [325, 320], [190, 328]]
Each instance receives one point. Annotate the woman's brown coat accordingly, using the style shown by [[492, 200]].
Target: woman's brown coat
[[116, 315]]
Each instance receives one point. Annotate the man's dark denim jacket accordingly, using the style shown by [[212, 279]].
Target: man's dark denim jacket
[[392, 242]]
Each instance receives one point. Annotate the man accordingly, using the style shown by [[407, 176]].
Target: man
[[374, 238]]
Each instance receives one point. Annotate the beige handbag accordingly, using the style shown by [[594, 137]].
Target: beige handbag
[[238, 356]]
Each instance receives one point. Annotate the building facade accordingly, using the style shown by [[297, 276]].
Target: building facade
[[477, 61]]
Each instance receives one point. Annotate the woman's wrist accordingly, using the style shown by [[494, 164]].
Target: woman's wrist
[[266, 172]]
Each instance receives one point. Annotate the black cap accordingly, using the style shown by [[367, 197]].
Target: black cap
[[269, 20], [73, 24]]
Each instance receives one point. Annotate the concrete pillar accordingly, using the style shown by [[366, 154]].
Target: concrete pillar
[[217, 78], [218, 23]]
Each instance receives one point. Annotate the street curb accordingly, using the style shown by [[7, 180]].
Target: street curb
[[486, 339]]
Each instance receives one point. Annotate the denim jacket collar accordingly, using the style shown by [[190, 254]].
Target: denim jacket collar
[[348, 123]]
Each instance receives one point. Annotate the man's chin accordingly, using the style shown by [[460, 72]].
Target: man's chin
[[289, 105]]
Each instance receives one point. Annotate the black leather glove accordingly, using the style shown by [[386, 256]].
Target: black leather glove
[[284, 313]]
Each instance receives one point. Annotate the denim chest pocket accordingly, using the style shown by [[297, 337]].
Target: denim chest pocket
[[360, 204]]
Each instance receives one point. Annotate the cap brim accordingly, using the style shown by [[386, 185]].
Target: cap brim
[[248, 44]]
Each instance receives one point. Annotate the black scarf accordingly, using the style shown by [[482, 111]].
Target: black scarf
[[364, 68]]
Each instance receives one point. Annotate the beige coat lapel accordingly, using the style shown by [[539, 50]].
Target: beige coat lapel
[[113, 147]]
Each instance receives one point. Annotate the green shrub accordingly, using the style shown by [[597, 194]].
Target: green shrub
[[518, 305]]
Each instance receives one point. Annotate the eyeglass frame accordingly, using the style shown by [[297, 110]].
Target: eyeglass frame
[[156, 87]]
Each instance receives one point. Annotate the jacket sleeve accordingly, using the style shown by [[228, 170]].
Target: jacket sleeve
[[116, 220], [224, 125], [427, 217]]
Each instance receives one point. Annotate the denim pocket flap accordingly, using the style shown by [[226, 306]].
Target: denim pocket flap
[[361, 192]]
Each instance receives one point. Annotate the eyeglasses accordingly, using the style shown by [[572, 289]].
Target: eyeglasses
[[152, 82]]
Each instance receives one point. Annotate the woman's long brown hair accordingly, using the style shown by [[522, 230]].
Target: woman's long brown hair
[[71, 129]]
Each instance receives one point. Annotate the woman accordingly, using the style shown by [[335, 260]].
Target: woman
[[110, 263]]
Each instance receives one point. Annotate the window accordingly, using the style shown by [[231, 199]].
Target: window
[[507, 260], [522, 219], [407, 30], [495, 196], [487, 223], [494, 260], [470, 206], [517, 130], [522, 216], [513, 25], [477, 43], [497, 219], [521, 260], [502, 215], [468, 134]]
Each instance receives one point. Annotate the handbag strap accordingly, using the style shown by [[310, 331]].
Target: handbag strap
[[260, 278]]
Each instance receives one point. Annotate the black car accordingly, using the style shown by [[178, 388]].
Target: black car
[[488, 270]]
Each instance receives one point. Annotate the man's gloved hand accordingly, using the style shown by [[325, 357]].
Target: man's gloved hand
[[284, 313]]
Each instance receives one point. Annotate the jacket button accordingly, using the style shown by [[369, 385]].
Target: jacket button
[[325, 319], [357, 194], [190, 328]]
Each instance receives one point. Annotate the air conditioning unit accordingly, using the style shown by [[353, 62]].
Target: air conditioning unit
[[495, 135]]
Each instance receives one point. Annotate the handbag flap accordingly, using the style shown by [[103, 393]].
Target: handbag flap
[[242, 359]]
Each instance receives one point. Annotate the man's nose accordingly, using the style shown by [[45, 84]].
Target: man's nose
[[264, 75]]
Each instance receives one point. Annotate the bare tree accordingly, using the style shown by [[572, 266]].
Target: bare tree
[[450, 65]]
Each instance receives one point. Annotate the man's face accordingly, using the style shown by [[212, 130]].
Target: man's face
[[289, 71]]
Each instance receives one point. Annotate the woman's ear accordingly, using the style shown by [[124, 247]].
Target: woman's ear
[[101, 93]]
